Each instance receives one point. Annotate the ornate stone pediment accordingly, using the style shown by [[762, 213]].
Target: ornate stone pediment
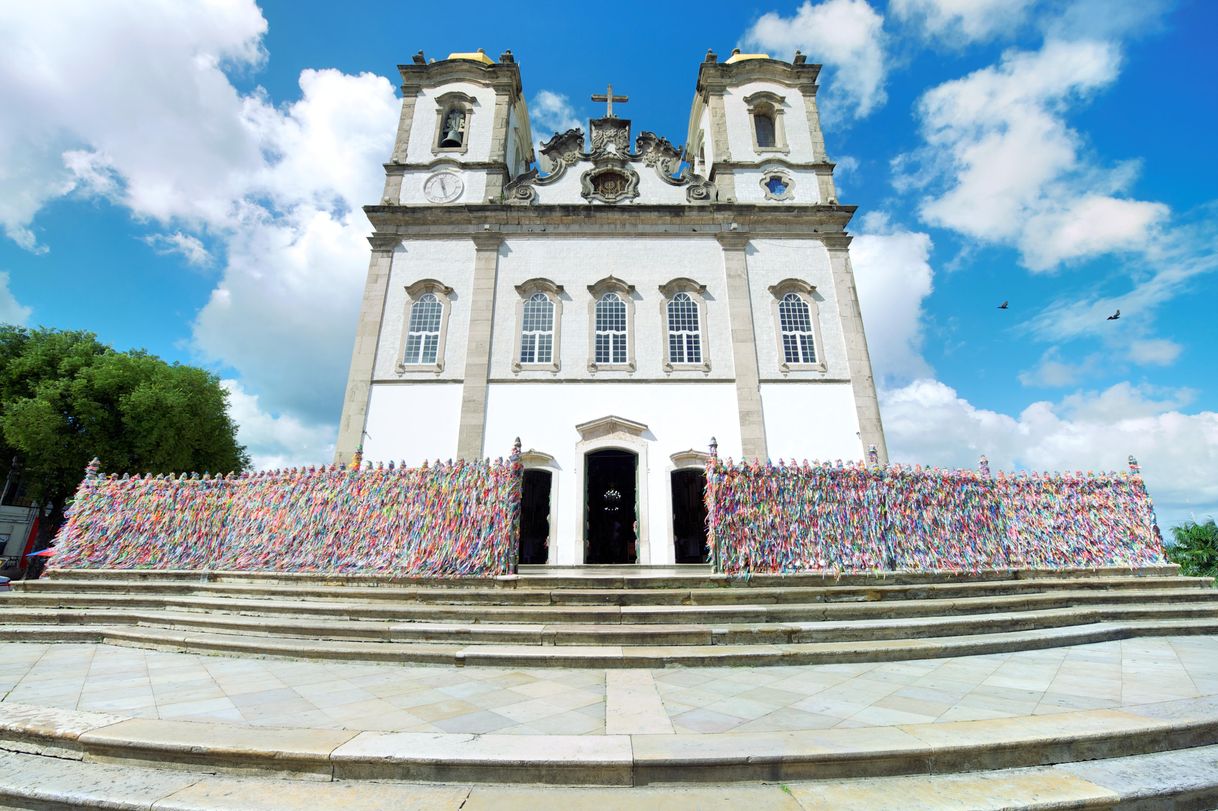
[[689, 459], [563, 150], [610, 137], [606, 426], [660, 154]]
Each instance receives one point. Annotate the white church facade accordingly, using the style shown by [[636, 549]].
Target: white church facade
[[615, 307]]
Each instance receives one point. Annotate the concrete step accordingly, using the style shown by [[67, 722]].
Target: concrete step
[[720, 595], [590, 577], [1181, 779], [692, 632], [608, 655], [615, 760], [41, 602]]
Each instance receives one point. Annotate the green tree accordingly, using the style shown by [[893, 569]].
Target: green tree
[[1195, 548], [65, 397]]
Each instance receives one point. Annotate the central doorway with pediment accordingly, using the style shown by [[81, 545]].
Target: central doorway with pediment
[[611, 506]]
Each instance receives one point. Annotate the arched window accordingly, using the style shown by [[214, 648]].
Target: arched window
[[452, 129], [610, 329], [537, 330], [764, 122], [454, 111], [684, 332], [423, 333], [795, 324]]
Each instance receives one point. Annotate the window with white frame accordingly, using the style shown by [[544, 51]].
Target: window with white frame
[[684, 330], [423, 333], [611, 326], [766, 111], [796, 327], [425, 322], [537, 330]]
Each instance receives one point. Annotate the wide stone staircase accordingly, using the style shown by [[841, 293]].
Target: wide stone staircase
[[1139, 753], [607, 617]]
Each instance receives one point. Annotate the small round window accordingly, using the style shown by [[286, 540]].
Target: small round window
[[777, 186]]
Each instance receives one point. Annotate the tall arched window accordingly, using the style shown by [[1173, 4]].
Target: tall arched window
[[537, 330], [454, 112], [423, 333], [610, 329], [795, 323], [684, 332], [764, 122]]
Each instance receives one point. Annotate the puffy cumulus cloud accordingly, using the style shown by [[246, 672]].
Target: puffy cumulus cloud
[[160, 128], [927, 421], [276, 441], [11, 310], [893, 276], [163, 132], [551, 112], [1014, 172], [189, 247], [846, 36], [962, 21]]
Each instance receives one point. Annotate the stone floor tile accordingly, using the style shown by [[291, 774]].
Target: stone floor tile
[[703, 720], [477, 723]]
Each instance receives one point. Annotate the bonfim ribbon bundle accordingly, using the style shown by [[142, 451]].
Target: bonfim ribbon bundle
[[452, 519], [841, 518]]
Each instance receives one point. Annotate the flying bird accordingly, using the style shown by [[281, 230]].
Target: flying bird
[[1115, 316], [1003, 305]]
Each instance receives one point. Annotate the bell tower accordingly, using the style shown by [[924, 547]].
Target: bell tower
[[463, 133]]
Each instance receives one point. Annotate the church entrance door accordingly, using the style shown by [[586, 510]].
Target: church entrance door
[[689, 515], [535, 516], [610, 512]]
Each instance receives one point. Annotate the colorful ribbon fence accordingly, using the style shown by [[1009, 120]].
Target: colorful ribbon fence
[[837, 518], [453, 519]]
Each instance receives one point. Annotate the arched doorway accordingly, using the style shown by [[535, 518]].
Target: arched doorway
[[689, 515], [535, 516], [610, 506]]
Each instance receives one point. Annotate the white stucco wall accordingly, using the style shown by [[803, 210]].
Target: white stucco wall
[[771, 261], [679, 417], [645, 263], [652, 188], [449, 261], [413, 422], [473, 183], [804, 188], [811, 421], [478, 128], [740, 123]]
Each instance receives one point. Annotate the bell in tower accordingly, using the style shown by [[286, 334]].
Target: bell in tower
[[454, 128]]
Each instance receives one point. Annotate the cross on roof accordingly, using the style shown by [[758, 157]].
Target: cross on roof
[[609, 98]]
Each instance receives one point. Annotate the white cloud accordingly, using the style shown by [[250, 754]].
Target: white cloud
[[551, 112], [846, 36], [1014, 171], [962, 21], [188, 247], [929, 422], [893, 275], [163, 132], [277, 441], [1053, 372], [1154, 351], [11, 310]]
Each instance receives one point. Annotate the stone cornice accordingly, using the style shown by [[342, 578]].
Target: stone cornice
[[441, 163], [800, 221], [715, 77], [500, 75]]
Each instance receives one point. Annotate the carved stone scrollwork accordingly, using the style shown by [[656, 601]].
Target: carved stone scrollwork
[[563, 150], [610, 184], [660, 154], [610, 137], [701, 190], [520, 191]]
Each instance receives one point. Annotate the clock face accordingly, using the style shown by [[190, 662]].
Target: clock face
[[443, 187]]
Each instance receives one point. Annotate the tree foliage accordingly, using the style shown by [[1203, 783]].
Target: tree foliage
[[1195, 548], [65, 397]]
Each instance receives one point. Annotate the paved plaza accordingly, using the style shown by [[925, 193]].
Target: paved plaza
[[415, 698]]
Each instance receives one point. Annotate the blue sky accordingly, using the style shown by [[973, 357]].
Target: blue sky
[[187, 178]]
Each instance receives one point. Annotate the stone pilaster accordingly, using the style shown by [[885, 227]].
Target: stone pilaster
[[724, 180], [367, 336], [409, 94], [744, 345], [472, 427], [871, 429], [495, 181]]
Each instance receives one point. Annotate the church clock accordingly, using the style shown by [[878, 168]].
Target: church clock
[[443, 187]]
